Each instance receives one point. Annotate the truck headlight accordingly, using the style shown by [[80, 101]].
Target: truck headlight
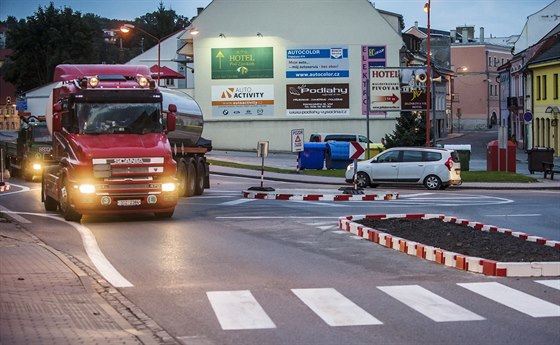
[[87, 188], [36, 166], [168, 187]]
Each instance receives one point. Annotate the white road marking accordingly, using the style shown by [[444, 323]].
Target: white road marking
[[104, 267], [334, 308], [236, 202], [514, 215], [514, 299], [238, 310], [429, 304], [274, 217], [553, 283]]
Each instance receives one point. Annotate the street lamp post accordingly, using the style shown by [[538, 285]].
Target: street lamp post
[[459, 69], [428, 79], [127, 27]]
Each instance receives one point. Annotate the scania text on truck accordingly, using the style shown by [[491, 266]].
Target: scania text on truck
[[111, 146]]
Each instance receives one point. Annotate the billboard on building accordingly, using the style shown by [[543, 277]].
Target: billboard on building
[[317, 62], [243, 100], [372, 56], [317, 99], [242, 63], [396, 88]]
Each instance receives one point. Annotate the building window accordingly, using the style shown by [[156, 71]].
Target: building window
[[169, 82], [544, 87], [489, 61], [555, 86], [538, 87]]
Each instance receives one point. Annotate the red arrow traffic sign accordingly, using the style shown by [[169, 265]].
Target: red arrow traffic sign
[[356, 150]]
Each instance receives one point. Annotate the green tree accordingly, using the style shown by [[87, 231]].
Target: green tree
[[160, 24], [50, 37], [410, 130]]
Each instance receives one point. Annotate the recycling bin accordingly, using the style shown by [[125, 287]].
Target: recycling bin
[[374, 149], [337, 155], [500, 159], [464, 152], [312, 156], [537, 155]]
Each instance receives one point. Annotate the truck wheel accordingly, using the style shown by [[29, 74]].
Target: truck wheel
[[67, 211], [200, 176], [191, 178], [50, 203]]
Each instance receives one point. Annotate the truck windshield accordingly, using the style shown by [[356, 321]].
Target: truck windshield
[[125, 118], [41, 134]]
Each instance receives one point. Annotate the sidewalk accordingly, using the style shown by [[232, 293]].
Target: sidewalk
[[289, 161], [45, 298]]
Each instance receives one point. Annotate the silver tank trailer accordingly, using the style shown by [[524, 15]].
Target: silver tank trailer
[[189, 117]]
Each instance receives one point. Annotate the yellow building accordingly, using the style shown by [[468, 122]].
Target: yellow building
[[546, 104]]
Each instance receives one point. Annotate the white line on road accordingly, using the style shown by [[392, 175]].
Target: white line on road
[[514, 299], [334, 308], [104, 267], [514, 215], [236, 202], [275, 217], [431, 305], [554, 283], [238, 310]]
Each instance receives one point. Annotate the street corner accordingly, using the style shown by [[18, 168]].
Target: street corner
[[341, 194]]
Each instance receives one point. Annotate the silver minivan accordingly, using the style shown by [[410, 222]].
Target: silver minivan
[[435, 168]]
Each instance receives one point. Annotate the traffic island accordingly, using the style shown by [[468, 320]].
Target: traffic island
[[461, 253]]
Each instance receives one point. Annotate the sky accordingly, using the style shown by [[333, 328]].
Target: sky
[[500, 18]]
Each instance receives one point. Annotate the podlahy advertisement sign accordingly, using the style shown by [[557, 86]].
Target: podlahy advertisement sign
[[242, 63], [317, 62], [243, 100], [394, 89], [317, 99]]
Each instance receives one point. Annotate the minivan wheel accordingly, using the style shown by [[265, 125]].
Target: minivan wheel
[[432, 182], [363, 180]]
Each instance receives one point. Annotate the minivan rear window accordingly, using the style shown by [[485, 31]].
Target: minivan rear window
[[432, 156]]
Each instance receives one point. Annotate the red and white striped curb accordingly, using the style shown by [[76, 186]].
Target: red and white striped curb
[[318, 196], [452, 259]]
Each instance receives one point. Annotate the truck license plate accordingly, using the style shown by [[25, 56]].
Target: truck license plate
[[129, 202]]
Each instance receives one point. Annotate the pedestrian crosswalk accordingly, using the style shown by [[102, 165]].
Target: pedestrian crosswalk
[[240, 310]]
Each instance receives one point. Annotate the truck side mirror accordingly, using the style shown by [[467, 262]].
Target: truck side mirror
[[57, 122], [171, 122]]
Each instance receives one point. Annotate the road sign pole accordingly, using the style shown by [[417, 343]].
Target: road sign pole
[[355, 174]]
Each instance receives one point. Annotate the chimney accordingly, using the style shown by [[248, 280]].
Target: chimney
[[481, 34], [199, 10], [465, 35], [416, 24], [453, 35]]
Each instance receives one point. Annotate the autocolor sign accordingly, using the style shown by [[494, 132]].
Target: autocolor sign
[[243, 100], [317, 99], [317, 62]]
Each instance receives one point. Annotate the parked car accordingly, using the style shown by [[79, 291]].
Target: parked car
[[435, 168], [324, 137]]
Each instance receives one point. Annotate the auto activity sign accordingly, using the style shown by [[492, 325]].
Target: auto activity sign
[[242, 63], [395, 89], [243, 100], [317, 99], [317, 62]]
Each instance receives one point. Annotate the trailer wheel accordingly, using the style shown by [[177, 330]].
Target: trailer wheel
[[50, 203], [186, 174], [191, 178], [67, 211], [200, 176]]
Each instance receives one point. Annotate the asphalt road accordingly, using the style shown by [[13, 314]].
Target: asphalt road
[[228, 270]]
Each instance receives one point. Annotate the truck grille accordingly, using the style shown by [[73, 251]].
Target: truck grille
[[127, 168]]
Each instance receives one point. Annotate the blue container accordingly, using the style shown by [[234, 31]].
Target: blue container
[[338, 153], [312, 156]]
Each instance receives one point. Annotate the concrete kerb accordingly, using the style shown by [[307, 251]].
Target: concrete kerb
[[452, 259], [317, 195]]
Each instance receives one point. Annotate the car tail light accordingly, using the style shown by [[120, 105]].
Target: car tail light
[[449, 163]]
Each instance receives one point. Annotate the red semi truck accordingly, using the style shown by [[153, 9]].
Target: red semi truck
[[113, 144]]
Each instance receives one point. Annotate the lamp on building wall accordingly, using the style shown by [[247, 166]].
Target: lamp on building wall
[[259, 35], [221, 35], [428, 77], [193, 31]]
